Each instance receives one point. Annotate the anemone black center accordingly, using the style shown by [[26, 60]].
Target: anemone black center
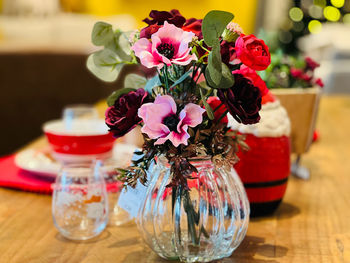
[[171, 122], [167, 50]]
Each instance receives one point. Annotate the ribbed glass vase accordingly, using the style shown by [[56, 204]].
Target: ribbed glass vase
[[202, 221]]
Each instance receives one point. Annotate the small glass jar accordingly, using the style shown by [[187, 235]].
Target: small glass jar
[[80, 201], [203, 221]]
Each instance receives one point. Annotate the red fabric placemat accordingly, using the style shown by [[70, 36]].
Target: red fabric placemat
[[13, 177]]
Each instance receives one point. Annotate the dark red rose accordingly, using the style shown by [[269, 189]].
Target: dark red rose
[[228, 52], [243, 100], [253, 52], [159, 17], [311, 64], [195, 26], [319, 82], [122, 117], [254, 77], [147, 32], [215, 103]]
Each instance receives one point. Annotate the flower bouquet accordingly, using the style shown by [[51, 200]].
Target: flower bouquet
[[195, 208]]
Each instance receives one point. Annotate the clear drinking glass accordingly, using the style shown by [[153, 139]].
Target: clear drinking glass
[[80, 201], [117, 215], [78, 112], [202, 222]]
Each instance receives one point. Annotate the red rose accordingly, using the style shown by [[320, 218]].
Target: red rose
[[253, 52], [254, 77], [214, 103]]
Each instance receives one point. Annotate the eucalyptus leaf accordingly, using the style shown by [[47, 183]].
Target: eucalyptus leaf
[[214, 68], [206, 105], [214, 24], [134, 81], [227, 79], [182, 78], [105, 73], [102, 33], [151, 83], [120, 45], [105, 58], [116, 94]]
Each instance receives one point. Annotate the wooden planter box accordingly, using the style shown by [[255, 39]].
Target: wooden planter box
[[302, 107]]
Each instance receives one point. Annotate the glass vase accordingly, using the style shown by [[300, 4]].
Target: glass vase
[[202, 221]]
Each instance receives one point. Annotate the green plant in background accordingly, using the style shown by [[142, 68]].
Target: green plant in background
[[286, 71]]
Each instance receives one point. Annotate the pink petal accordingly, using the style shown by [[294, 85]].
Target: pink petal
[[168, 100], [170, 31], [160, 131], [142, 45], [194, 115], [150, 61], [179, 138]]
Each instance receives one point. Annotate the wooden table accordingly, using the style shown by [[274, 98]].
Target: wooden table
[[311, 225]]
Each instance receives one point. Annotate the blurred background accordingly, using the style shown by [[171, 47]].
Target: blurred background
[[44, 45]]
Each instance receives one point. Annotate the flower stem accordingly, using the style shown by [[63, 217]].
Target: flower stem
[[222, 116]]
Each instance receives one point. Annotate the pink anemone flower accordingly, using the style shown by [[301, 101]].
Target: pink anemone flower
[[169, 45], [163, 123]]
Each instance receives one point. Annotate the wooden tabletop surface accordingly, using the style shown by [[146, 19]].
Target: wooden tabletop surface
[[311, 225]]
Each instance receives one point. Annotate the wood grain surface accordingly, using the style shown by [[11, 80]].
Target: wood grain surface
[[311, 225]]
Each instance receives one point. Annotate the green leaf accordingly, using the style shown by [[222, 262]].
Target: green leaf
[[214, 24], [206, 105], [153, 82], [214, 68], [182, 78], [105, 58], [227, 79], [120, 45], [134, 81], [102, 33], [105, 73], [116, 94]]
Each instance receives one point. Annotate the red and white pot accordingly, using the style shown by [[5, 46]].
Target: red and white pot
[[265, 168]]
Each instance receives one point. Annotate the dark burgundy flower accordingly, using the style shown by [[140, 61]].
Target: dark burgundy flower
[[122, 117], [228, 52], [159, 17], [311, 64], [243, 100], [194, 25], [147, 32]]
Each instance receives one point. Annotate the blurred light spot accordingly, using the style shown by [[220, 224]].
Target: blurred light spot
[[316, 11], [320, 3], [298, 26], [296, 14], [285, 37], [338, 3], [331, 13], [346, 18], [315, 26]]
